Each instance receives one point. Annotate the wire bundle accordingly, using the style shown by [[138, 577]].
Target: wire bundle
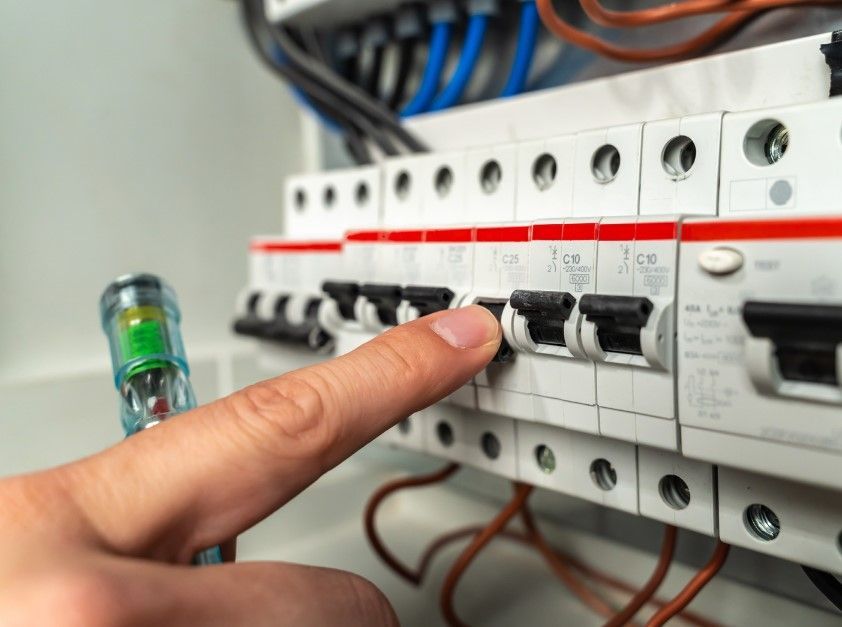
[[360, 117], [567, 568], [737, 13]]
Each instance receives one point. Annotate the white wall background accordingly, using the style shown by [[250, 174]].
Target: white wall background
[[133, 136]]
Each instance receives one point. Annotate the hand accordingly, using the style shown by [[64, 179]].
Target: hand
[[107, 541]]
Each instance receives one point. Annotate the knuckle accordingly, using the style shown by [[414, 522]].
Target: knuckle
[[400, 363], [295, 407]]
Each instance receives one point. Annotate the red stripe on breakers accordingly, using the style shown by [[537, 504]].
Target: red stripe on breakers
[[656, 230], [547, 232], [296, 247], [443, 236], [364, 236], [405, 236], [778, 228], [503, 234], [617, 232], [576, 231]]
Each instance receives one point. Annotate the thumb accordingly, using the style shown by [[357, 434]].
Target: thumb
[[217, 470]]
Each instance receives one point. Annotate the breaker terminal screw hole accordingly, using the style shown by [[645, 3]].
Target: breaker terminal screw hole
[[761, 522], [766, 142], [403, 184], [443, 181], [300, 200], [546, 458], [362, 194], [605, 164], [603, 474], [329, 198], [405, 426], [544, 171], [678, 157], [445, 433], [674, 491], [490, 445], [490, 176]]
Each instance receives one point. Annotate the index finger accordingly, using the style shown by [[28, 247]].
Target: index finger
[[205, 476]]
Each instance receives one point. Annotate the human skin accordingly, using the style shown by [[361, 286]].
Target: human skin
[[107, 540]]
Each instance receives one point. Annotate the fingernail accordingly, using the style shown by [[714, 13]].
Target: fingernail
[[466, 327]]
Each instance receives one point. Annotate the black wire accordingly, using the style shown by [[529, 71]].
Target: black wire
[[357, 147], [309, 40], [353, 124], [351, 95], [827, 584], [348, 69], [406, 56], [371, 75]]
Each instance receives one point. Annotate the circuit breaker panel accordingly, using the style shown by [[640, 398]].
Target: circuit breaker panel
[[670, 293]]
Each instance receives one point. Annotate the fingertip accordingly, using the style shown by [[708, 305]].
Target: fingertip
[[468, 327]]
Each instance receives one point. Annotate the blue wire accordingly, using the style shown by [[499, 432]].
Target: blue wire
[[439, 44], [471, 49], [527, 36], [302, 98]]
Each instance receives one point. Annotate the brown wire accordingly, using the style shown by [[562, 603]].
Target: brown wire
[[560, 562], [562, 569], [680, 10], [412, 576], [714, 35], [696, 584], [588, 571], [522, 492], [655, 580]]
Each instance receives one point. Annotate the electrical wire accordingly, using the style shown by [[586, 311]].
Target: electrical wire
[[588, 571], [370, 519], [525, 50], [655, 580], [471, 50], [371, 76], [562, 569], [406, 57], [827, 584], [305, 101], [696, 584], [352, 96], [522, 492], [680, 10], [713, 36], [352, 125], [436, 58], [374, 40], [560, 562], [346, 49]]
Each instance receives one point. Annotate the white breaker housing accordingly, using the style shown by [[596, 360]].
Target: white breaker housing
[[760, 345]]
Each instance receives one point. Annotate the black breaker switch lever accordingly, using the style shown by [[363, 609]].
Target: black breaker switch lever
[[251, 325], [618, 320], [505, 352], [308, 333], [386, 300], [427, 300], [345, 295], [545, 313], [805, 337]]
